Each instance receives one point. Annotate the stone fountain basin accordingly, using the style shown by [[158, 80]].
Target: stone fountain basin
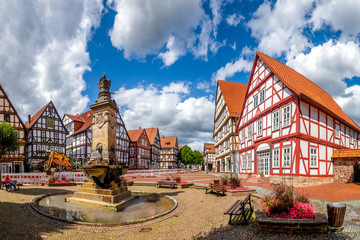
[[145, 207], [98, 171]]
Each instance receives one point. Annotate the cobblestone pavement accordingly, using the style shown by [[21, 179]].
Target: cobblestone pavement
[[201, 218], [351, 221]]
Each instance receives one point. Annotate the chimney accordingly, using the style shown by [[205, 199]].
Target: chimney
[[29, 118], [139, 127]]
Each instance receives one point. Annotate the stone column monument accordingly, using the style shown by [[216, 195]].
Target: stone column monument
[[106, 189]]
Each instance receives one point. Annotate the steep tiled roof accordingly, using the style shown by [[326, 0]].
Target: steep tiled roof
[[86, 118], [151, 132], [135, 134], [234, 95], [303, 86], [168, 142], [35, 117], [211, 148], [346, 153], [76, 117]]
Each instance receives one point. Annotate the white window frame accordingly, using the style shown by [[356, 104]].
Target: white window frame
[[248, 161], [314, 157], [262, 95], [259, 131], [256, 100], [243, 135], [284, 155], [243, 162], [275, 121], [286, 116], [337, 130], [131, 150], [249, 132], [131, 162], [276, 158]]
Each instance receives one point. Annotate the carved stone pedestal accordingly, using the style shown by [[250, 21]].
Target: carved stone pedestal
[[112, 199]]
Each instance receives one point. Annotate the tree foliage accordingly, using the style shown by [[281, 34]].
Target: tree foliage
[[190, 157], [9, 139]]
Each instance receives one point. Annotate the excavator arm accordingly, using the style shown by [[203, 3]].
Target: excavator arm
[[59, 159]]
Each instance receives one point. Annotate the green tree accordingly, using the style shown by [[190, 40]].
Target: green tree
[[9, 140], [186, 155], [198, 157]]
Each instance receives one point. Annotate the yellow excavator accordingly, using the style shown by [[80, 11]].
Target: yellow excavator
[[59, 159]]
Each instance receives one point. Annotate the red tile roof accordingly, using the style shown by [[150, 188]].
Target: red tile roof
[[234, 95], [211, 148], [135, 134], [77, 118], [304, 87], [346, 153], [168, 142], [86, 118], [151, 133], [35, 117]]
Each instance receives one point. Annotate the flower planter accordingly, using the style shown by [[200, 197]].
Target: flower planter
[[287, 225], [59, 184], [238, 192], [184, 185]]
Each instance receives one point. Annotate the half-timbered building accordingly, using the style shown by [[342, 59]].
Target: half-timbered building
[[139, 155], [169, 152], [14, 162], [209, 156], [290, 127], [45, 133], [228, 104], [78, 142], [154, 138]]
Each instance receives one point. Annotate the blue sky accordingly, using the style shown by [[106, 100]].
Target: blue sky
[[164, 56]]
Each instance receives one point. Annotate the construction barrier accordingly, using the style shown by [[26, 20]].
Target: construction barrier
[[38, 178], [156, 172]]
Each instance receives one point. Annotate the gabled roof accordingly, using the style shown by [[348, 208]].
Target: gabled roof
[[86, 118], [168, 142], [76, 117], [346, 153], [12, 106], [234, 95], [151, 133], [36, 116], [302, 86], [135, 134], [210, 147]]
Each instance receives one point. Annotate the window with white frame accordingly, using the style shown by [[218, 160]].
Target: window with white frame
[[276, 120], [337, 130], [131, 161], [286, 157], [313, 157], [259, 127], [131, 150], [286, 116], [243, 135], [276, 158], [249, 133], [262, 95], [243, 162], [256, 100], [351, 136], [249, 161]]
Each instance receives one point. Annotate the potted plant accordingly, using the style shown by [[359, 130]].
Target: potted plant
[[262, 175], [249, 174]]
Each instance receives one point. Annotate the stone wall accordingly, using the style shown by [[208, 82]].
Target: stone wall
[[344, 169], [302, 181]]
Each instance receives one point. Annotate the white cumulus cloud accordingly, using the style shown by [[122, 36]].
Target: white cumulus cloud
[[234, 19], [168, 109], [240, 65], [43, 52]]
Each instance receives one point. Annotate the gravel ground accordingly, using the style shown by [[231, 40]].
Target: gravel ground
[[201, 218]]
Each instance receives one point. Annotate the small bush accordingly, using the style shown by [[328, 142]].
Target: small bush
[[168, 178], [234, 182], [177, 179], [301, 197], [224, 181]]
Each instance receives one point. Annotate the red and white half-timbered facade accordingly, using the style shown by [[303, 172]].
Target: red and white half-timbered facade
[[13, 162], [289, 126]]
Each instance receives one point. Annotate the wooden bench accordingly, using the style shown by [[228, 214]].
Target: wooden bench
[[238, 208], [7, 187], [166, 183], [216, 188]]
